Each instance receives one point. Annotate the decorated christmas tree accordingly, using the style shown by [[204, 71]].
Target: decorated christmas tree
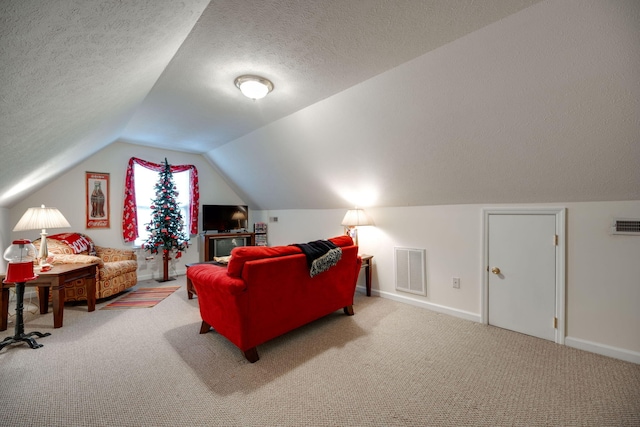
[[166, 233]]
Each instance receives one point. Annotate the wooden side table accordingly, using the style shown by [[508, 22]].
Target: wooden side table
[[53, 280], [367, 260]]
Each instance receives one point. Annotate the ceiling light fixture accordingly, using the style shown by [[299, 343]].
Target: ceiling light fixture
[[254, 87]]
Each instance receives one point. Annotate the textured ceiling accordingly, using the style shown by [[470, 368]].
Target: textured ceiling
[[310, 50], [539, 107], [430, 95], [77, 75], [73, 73]]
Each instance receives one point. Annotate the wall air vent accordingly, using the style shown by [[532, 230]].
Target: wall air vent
[[626, 226], [410, 270]]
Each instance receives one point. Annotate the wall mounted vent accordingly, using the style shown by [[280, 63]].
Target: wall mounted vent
[[410, 270], [626, 226]]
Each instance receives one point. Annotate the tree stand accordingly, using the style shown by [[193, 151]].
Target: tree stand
[[165, 269], [20, 336]]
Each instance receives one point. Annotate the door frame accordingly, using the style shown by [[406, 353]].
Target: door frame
[[560, 215]]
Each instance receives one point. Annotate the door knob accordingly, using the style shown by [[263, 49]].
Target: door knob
[[495, 270]]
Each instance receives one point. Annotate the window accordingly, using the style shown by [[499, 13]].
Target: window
[[145, 188], [142, 177]]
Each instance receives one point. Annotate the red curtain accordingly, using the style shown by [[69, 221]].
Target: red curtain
[[129, 212]]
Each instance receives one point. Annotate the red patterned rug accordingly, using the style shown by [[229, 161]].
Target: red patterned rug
[[142, 298]]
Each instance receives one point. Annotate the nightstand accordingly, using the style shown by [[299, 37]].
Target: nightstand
[[367, 260]]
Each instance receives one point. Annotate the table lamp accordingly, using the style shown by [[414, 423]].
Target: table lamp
[[239, 216], [40, 219], [354, 218], [21, 255]]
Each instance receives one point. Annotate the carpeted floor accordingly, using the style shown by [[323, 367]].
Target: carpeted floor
[[389, 365]]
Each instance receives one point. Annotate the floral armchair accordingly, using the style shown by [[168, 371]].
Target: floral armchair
[[117, 268]]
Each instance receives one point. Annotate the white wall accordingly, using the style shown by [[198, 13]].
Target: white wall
[[603, 277], [67, 193], [603, 270], [5, 235]]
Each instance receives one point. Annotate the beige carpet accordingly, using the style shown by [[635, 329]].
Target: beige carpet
[[389, 365]]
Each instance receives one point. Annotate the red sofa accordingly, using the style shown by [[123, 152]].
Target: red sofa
[[265, 292]]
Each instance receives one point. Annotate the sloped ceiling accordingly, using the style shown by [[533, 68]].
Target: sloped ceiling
[[541, 107], [375, 102], [73, 73], [311, 50]]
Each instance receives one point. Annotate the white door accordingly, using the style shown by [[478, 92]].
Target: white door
[[522, 273]]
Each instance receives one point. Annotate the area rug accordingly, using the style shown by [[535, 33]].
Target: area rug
[[142, 298]]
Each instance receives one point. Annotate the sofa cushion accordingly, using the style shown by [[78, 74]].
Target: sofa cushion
[[342, 241], [56, 247], [114, 269], [69, 244], [239, 256], [76, 259]]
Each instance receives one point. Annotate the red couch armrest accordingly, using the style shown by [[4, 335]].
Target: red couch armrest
[[207, 276], [222, 300]]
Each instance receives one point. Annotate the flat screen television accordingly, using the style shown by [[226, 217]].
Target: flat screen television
[[223, 218]]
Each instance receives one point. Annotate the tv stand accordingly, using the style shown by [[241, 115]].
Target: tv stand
[[206, 252]]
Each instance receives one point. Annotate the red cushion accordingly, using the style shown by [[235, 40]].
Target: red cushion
[[79, 243], [250, 253], [342, 241]]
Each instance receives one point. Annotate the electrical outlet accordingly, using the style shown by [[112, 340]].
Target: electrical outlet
[[273, 219], [456, 282]]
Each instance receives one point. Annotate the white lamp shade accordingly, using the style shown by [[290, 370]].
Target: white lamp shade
[[238, 215], [41, 218], [356, 217]]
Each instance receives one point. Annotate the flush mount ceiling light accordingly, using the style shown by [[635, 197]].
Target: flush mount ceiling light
[[254, 87]]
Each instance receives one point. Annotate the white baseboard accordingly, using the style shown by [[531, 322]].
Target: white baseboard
[[603, 349], [423, 304]]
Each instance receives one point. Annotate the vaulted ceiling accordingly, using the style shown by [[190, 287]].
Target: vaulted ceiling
[[388, 103]]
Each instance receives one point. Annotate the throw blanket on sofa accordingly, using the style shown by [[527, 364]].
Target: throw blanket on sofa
[[321, 255]]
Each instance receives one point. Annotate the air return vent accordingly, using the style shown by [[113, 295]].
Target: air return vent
[[626, 226], [410, 270]]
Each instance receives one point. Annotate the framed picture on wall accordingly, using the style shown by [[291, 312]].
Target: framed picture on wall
[[97, 205]]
